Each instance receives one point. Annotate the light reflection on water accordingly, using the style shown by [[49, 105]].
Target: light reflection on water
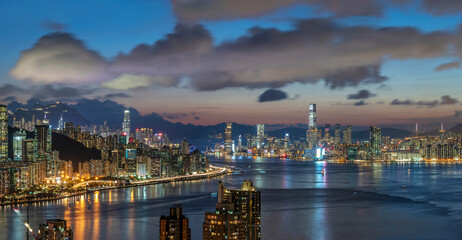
[[350, 201]]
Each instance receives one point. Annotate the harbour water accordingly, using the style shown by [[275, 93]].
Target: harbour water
[[348, 201]]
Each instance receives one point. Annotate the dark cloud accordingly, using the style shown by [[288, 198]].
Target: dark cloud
[[360, 103], [362, 94], [8, 89], [442, 7], [196, 10], [448, 66], [53, 26], [445, 100], [271, 58], [271, 95], [115, 95], [57, 92], [448, 100], [8, 99], [60, 58], [457, 114], [174, 115], [196, 118]]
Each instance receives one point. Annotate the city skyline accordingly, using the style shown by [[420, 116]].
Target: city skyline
[[367, 74]]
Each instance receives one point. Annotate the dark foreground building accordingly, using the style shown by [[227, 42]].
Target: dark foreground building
[[237, 215], [175, 226], [54, 229]]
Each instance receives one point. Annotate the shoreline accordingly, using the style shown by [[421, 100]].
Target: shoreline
[[220, 171]]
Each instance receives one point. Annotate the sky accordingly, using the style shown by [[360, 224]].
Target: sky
[[363, 62]]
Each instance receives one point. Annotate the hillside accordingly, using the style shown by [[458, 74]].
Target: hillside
[[70, 149]]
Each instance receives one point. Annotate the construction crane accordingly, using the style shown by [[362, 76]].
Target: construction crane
[[18, 212]]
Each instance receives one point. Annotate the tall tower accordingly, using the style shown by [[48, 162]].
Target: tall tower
[[228, 137], [347, 135], [375, 141], [3, 133], [61, 123], [312, 118], [126, 125], [260, 135]]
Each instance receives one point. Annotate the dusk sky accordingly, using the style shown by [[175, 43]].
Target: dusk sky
[[363, 62]]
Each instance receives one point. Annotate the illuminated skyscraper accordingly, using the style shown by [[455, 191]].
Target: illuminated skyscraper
[[126, 125], [18, 137], [337, 134], [61, 123], [228, 137], [43, 148], [175, 226], [312, 118], [260, 135], [3, 133], [237, 215], [347, 135], [375, 141]]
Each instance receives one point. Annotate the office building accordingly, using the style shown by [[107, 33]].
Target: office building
[[312, 117], [18, 137], [228, 138], [375, 141], [3, 133], [175, 226], [260, 135], [126, 126], [55, 229]]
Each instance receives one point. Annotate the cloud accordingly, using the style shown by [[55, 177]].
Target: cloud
[[174, 115], [53, 26], [448, 100], [58, 92], [457, 114], [360, 103], [115, 95], [129, 81], [272, 95], [362, 94], [197, 10], [445, 100], [60, 58], [448, 66], [196, 118], [8, 89], [271, 58], [8, 99]]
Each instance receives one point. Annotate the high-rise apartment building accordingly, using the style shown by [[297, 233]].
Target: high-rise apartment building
[[260, 135], [375, 141], [55, 229], [347, 135], [126, 125], [18, 137], [3, 133], [175, 226], [237, 215]]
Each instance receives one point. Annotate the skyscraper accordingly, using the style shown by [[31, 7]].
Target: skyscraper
[[375, 141], [18, 137], [312, 117], [3, 133], [260, 135], [61, 123], [175, 226], [43, 148], [347, 135], [243, 203], [228, 137], [126, 125]]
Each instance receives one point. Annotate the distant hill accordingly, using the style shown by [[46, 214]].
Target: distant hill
[[391, 132], [70, 149], [456, 129]]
